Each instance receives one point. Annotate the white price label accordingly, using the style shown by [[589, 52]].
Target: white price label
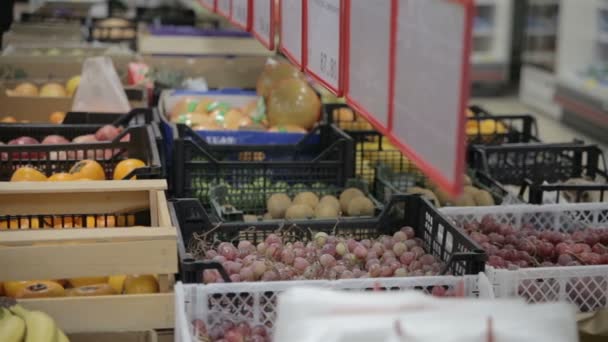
[[223, 7], [240, 13], [291, 30], [323, 45], [368, 59], [208, 4], [431, 86], [263, 28]]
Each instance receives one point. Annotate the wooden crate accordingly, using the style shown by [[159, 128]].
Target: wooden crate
[[48, 253]]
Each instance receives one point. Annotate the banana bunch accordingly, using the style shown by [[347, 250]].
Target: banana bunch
[[20, 325]]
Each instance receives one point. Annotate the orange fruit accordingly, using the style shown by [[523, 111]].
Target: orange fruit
[[61, 177], [88, 169], [8, 119], [28, 174], [138, 284], [117, 282], [12, 287], [57, 117], [41, 289], [125, 167], [85, 281]]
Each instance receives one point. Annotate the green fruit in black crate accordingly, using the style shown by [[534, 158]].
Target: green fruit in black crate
[[297, 188]]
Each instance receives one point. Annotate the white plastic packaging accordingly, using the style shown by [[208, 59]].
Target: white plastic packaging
[[100, 89], [311, 315]]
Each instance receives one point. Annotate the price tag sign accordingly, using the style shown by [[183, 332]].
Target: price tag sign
[[431, 86], [290, 25], [223, 7], [368, 59], [240, 14], [323, 47], [208, 4], [263, 24]]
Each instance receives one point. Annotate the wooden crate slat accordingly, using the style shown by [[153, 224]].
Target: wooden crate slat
[[82, 186], [84, 259], [108, 313]]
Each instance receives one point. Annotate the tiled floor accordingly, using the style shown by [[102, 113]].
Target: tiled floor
[[550, 129]]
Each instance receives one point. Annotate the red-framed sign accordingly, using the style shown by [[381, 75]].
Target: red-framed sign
[[323, 49], [368, 62], [409, 76], [223, 8], [262, 25], [240, 14], [208, 4], [291, 16]]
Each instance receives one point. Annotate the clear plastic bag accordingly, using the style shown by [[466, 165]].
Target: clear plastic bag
[[100, 89]]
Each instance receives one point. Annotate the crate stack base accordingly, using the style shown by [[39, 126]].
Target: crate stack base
[[46, 252], [584, 286]]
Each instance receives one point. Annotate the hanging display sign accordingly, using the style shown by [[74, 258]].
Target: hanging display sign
[[223, 8], [208, 4], [263, 24], [368, 59], [290, 26], [323, 33], [431, 54], [240, 14]]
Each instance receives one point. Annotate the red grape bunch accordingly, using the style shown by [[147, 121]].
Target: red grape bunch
[[228, 331], [325, 257], [512, 248]]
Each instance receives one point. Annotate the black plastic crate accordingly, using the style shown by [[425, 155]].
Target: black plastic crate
[[508, 129], [372, 149], [323, 155], [137, 116], [532, 165], [389, 183], [51, 159], [235, 205], [440, 238], [126, 34]]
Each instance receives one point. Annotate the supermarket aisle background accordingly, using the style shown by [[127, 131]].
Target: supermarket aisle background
[[550, 130]]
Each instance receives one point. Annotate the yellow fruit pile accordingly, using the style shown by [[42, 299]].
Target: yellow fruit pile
[[83, 170], [51, 89], [81, 287]]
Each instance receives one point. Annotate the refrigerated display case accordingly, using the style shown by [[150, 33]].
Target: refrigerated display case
[[538, 80], [582, 69], [492, 33]]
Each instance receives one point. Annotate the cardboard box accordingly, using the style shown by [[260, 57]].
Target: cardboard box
[[16, 68], [190, 41], [140, 336], [220, 72]]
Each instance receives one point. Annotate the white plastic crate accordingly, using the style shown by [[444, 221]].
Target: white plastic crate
[[256, 302], [584, 286]]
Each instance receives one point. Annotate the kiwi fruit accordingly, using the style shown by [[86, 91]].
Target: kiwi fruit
[[465, 200], [442, 196], [308, 198], [360, 206], [299, 211], [267, 216], [277, 205], [348, 195], [326, 210], [329, 200], [426, 193], [483, 198], [467, 180], [471, 190]]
